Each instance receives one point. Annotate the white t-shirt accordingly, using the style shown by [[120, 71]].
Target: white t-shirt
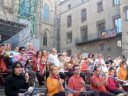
[[58, 64], [53, 58]]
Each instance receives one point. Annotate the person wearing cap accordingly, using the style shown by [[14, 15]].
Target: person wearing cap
[[16, 81]]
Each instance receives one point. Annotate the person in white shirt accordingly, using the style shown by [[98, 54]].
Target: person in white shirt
[[60, 67], [52, 59]]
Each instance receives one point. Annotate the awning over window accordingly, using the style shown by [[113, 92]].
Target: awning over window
[[9, 29]]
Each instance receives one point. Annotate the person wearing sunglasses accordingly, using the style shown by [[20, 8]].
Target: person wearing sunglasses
[[16, 81], [22, 57]]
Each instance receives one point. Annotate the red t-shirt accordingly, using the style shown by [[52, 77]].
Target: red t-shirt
[[95, 80], [41, 66], [3, 65], [111, 84], [84, 66], [75, 84]]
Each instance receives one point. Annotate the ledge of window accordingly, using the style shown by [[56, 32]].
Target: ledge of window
[[98, 39], [116, 5], [82, 21], [100, 11], [69, 43]]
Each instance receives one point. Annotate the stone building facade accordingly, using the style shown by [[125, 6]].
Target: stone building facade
[[46, 22], [91, 26], [124, 16]]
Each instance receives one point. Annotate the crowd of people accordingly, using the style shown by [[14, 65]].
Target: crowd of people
[[75, 75]]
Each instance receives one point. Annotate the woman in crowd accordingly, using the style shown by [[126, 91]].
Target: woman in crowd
[[16, 81], [22, 57], [122, 71], [45, 58], [39, 67], [71, 64], [54, 83], [8, 49], [28, 69], [90, 60]]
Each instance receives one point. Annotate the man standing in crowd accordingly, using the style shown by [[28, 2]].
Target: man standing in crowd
[[77, 83], [31, 52], [99, 83]]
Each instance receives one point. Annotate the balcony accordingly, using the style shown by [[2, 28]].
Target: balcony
[[109, 34]]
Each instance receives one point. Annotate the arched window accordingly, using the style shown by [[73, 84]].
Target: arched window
[[45, 39], [46, 12]]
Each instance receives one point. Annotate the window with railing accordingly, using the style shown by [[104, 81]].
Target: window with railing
[[118, 25], [101, 29]]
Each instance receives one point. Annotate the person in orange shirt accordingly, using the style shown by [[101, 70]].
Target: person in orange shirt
[[122, 71], [55, 83]]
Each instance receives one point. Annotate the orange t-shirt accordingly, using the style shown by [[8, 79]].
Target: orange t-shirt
[[53, 86], [123, 73]]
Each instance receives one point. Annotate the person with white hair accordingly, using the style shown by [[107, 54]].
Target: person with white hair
[[53, 57], [31, 52]]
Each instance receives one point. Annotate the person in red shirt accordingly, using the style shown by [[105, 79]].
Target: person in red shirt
[[85, 70], [31, 52], [77, 83], [112, 83], [39, 67], [4, 62], [99, 83]]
